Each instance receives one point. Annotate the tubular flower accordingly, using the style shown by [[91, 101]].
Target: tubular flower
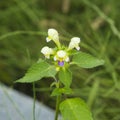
[[47, 51], [74, 43], [61, 56], [53, 35]]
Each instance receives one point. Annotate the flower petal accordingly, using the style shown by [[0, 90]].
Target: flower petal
[[48, 39], [55, 58], [75, 40], [53, 34], [47, 51], [74, 43], [67, 59], [61, 63], [61, 53]]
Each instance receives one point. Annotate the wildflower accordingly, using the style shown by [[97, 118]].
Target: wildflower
[[61, 56], [74, 43], [47, 51], [53, 35]]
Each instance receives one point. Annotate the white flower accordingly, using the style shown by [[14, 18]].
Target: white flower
[[61, 56], [60, 53], [74, 43], [52, 35], [47, 51]]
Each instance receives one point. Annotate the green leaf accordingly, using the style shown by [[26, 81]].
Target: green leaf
[[65, 77], [59, 91], [37, 71], [85, 60], [75, 109]]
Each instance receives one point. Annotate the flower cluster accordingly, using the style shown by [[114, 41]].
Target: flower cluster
[[61, 54]]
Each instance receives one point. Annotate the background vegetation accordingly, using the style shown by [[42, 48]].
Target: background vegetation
[[23, 29]]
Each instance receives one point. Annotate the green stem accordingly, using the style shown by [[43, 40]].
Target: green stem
[[57, 106], [34, 98], [58, 99]]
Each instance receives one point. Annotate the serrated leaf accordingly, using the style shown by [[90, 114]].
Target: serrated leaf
[[75, 109], [65, 76], [85, 60], [37, 71], [59, 91]]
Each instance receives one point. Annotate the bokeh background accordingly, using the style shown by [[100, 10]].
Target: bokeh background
[[23, 29]]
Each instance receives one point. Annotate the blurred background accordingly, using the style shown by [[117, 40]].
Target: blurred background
[[23, 30]]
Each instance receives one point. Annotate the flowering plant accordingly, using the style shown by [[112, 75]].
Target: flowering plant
[[57, 64], [60, 53]]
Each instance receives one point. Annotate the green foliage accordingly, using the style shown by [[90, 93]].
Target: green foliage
[[37, 71], [75, 109], [65, 76], [85, 60], [59, 91], [96, 22]]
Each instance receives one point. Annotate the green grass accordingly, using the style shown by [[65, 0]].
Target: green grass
[[23, 28]]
